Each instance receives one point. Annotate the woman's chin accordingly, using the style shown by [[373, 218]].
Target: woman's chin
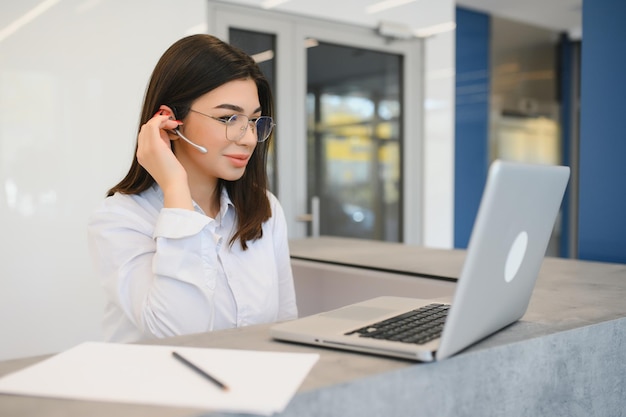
[[234, 175]]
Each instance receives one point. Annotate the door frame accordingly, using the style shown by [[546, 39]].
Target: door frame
[[291, 31]]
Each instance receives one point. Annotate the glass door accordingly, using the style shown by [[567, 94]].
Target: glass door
[[354, 119], [261, 46], [340, 97]]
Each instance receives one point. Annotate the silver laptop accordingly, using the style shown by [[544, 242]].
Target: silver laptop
[[511, 232]]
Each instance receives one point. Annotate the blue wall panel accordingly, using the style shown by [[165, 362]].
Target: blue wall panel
[[602, 189], [472, 119]]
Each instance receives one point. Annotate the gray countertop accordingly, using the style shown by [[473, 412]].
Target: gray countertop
[[578, 308], [384, 256]]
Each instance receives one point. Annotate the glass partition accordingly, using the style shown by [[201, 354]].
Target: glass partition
[[354, 119]]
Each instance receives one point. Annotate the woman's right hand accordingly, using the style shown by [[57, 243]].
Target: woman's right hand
[[154, 153]]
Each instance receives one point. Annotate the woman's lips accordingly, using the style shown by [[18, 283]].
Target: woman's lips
[[238, 160]]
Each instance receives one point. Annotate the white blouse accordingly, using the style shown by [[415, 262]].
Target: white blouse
[[170, 271]]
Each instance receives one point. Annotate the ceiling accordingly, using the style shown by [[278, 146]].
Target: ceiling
[[558, 15], [411, 15]]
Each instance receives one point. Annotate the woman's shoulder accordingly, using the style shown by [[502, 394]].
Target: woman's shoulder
[[277, 212], [274, 203], [147, 201], [271, 197]]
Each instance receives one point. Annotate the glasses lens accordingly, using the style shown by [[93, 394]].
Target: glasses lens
[[264, 126], [236, 127]]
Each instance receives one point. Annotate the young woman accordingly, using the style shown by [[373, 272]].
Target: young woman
[[191, 240]]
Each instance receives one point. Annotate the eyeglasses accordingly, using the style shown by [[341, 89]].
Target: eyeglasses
[[237, 125]]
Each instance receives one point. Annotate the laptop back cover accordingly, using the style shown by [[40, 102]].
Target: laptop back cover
[[509, 239]]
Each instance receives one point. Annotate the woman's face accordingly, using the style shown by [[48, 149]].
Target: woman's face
[[224, 158]]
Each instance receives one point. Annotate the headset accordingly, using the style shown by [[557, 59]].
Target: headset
[[183, 137], [195, 145]]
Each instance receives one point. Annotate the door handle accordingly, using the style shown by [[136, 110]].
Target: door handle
[[313, 217]]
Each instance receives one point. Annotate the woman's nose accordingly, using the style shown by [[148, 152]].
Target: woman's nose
[[250, 135]]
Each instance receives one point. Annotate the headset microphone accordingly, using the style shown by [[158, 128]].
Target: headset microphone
[[198, 147]]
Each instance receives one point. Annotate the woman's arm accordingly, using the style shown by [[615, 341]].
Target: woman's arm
[[155, 265]]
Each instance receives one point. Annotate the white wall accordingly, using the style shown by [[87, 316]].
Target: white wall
[[71, 83], [438, 159]]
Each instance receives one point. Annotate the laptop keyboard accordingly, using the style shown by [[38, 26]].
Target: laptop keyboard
[[417, 326]]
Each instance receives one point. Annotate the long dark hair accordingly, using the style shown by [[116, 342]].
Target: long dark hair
[[190, 68]]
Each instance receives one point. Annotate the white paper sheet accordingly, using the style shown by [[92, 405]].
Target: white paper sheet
[[259, 382]]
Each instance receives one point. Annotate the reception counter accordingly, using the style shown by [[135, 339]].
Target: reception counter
[[565, 357]]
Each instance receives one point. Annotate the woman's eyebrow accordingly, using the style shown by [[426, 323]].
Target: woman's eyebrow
[[236, 108]]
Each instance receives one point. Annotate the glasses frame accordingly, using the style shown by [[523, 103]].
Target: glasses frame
[[226, 121]]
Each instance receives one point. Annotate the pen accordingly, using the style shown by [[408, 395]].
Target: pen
[[200, 371]]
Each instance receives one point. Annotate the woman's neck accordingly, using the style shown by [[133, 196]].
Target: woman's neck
[[207, 197]]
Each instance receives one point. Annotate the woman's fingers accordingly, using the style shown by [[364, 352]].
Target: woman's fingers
[[154, 151]]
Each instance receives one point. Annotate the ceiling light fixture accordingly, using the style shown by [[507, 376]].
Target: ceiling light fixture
[[385, 5], [270, 4], [394, 30], [263, 56], [435, 29], [29, 16]]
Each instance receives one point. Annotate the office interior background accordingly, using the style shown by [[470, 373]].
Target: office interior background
[[387, 121]]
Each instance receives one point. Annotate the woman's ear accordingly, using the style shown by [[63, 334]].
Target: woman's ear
[[167, 110]]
